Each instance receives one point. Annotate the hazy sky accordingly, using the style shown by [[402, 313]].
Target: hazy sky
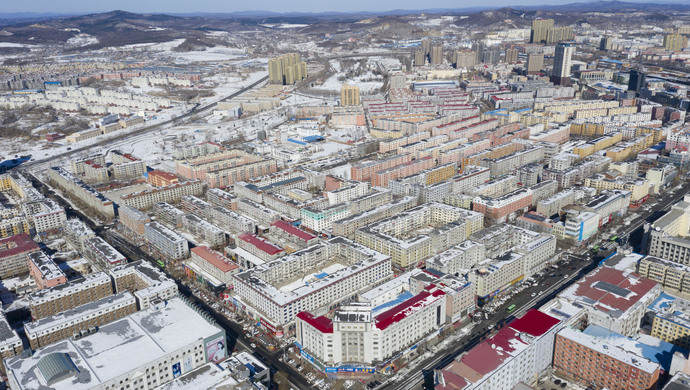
[[187, 6]]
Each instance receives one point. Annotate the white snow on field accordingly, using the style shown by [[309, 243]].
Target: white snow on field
[[211, 54], [11, 44], [162, 46]]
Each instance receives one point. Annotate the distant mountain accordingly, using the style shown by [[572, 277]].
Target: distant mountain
[[609, 6]]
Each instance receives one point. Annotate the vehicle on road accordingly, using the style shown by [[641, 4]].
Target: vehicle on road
[[510, 308]]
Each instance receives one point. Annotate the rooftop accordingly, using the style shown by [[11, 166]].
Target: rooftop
[[216, 259], [142, 338]]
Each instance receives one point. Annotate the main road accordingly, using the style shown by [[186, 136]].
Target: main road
[[546, 288]]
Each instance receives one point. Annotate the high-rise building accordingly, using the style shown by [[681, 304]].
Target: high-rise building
[[418, 56], [559, 34], [540, 28], [511, 55], [492, 55], [606, 43], [465, 59], [637, 81], [286, 69], [349, 95], [562, 63], [535, 62], [436, 54], [675, 42]]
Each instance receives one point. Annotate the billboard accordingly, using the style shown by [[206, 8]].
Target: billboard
[[188, 363], [216, 349], [176, 369]]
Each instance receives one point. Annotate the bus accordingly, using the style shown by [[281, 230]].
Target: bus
[[510, 308], [595, 249], [161, 264], [614, 238]]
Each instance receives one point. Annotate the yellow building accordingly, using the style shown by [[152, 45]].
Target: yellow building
[[598, 144], [675, 42], [286, 69], [672, 325], [639, 188], [349, 95], [671, 275]]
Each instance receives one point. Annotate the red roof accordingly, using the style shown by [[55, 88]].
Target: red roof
[[215, 258], [322, 324], [534, 322], [452, 381], [163, 174], [632, 283], [410, 306], [11, 246], [301, 234], [260, 243]]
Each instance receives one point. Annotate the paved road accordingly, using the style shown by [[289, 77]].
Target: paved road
[[235, 335]]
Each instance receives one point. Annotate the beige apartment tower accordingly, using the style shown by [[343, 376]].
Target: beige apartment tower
[[286, 69], [675, 42], [511, 56], [436, 54], [465, 59], [349, 95], [535, 62], [540, 29]]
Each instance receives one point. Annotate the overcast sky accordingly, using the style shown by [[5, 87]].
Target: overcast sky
[[187, 6]]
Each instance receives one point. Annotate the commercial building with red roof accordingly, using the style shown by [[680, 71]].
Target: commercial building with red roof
[[614, 299], [377, 337], [14, 255], [212, 265], [517, 353], [260, 247]]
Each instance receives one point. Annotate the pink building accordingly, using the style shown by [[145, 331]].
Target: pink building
[[260, 247], [364, 170], [382, 178], [44, 271], [496, 210]]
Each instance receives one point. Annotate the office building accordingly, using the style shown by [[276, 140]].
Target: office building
[[562, 63], [637, 81]]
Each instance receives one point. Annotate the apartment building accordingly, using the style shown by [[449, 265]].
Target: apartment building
[[614, 299], [218, 197], [161, 178], [76, 232], [269, 291], [14, 255], [133, 219], [168, 243], [167, 214], [44, 271], [519, 353], [148, 284], [224, 168], [203, 230], [348, 226], [88, 288], [364, 170], [79, 320], [260, 247], [668, 235], [671, 322], [145, 199], [590, 360], [230, 220], [212, 266], [81, 191], [471, 177], [46, 214], [258, 212], [669, 274], [318, 220], [497, 210]]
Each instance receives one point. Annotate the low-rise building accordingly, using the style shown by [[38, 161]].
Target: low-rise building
[[133, 219], [14, 255], [44, 271], [148, 284], [99, 251], [212, 266]]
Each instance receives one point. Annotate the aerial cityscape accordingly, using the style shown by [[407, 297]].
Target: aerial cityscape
[[402, 197]]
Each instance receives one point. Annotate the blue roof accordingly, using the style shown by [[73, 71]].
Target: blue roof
[[650, 348], [399, 299], [321, 275], [663, 302], [313, 138], [297, 141]]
